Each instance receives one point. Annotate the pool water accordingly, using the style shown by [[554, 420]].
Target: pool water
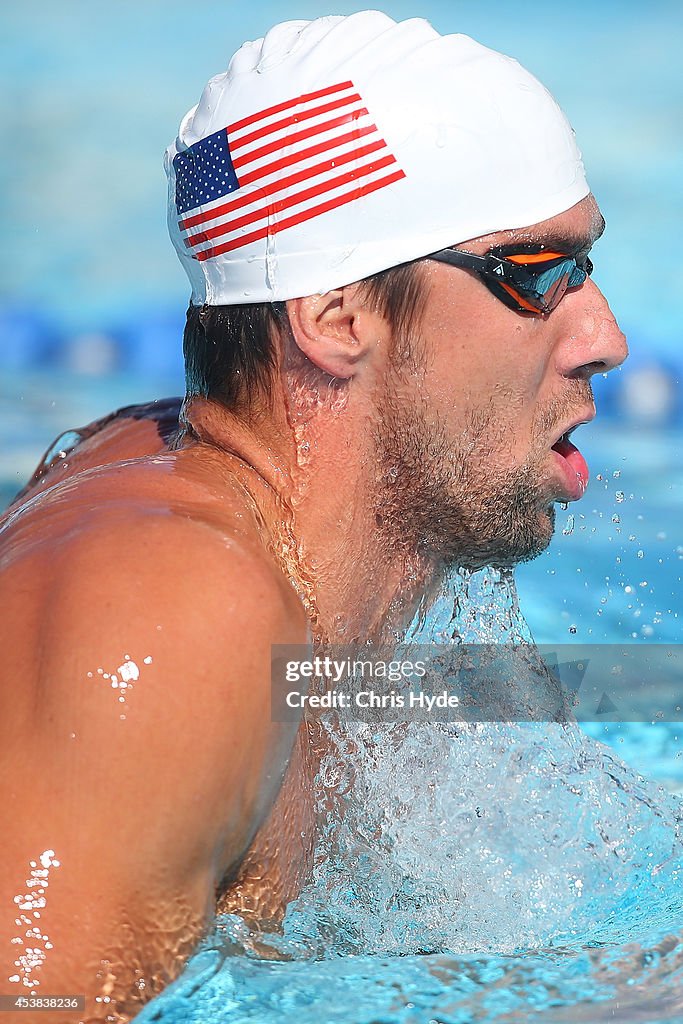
[[492, 874], [613, 571]]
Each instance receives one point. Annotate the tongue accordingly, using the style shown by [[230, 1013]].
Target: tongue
[[571, 453]]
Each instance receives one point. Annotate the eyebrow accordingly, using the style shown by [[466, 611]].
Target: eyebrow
[[562, 241], [569, 242]]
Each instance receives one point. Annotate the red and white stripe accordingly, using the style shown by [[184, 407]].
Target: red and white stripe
[[294, 161]]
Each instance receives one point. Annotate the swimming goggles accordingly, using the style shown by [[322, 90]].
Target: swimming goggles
[[528, 278]]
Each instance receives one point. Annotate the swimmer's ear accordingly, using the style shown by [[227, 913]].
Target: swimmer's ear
[[335, 330]]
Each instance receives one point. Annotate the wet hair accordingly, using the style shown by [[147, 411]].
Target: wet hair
[[230, 352]]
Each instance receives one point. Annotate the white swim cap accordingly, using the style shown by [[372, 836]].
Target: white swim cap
[[336, 148]]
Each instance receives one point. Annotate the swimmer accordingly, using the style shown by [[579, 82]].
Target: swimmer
[[391, 336]]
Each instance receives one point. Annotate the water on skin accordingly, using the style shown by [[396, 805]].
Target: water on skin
[[32, 942]]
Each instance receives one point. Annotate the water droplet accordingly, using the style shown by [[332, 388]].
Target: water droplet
[[619, 496], [569, 526]]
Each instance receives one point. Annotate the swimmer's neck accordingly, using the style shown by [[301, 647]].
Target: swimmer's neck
[[356, 580], [254, 451]]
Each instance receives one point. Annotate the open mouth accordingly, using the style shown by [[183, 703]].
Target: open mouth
[[573, 464]]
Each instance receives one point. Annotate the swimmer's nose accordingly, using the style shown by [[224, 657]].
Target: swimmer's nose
[[592, 340]]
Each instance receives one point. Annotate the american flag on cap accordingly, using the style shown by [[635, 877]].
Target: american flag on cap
[[277, 168]]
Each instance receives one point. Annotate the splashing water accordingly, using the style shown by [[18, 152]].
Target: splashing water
[[472, 607], [524, 859], [491, 836]]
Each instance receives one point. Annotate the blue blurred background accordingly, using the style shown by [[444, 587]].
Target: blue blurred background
[[92, 298]]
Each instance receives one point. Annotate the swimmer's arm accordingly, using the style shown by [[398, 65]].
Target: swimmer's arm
[[148, 802]]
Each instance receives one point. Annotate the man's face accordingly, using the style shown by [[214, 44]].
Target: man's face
[[469, 419]]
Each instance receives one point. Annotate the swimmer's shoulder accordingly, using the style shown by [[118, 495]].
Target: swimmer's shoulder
[[138, 484], [135, 682], [155, 537], [175, 516], [129, 568]]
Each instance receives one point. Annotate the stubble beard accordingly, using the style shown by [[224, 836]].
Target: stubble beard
[[456, 500]]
